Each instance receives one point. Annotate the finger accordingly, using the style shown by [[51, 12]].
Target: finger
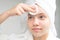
[[22, 4], [28, 9], [21, 9], [32, 6], [37, 4], [18, 12]]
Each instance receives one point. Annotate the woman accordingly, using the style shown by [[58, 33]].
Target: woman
[[40, 23]]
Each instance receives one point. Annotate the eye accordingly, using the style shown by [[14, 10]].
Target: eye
[[29, 17], [42, 17]]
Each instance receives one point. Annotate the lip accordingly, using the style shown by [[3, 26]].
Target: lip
[[37, 29]]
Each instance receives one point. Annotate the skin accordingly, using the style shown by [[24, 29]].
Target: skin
[[40, 20], [18, 10], [39, 24]]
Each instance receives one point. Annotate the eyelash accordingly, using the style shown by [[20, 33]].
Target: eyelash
[[41, 17], [29, 17]]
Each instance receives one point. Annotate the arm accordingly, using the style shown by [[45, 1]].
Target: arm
[[17, 10], [3, 17]]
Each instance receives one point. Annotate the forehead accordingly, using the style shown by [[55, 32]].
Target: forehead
[[38, 14], [41, 11]]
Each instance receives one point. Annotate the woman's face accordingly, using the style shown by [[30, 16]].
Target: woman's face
[[38, 24]]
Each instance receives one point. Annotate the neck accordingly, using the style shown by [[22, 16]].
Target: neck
[[44, 37]]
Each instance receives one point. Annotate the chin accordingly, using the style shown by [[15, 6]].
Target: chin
[[39, 34]]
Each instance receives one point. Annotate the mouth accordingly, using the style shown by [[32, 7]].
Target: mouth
[[36, 29]]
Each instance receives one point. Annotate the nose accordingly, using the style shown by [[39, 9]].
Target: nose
[[36, 22]]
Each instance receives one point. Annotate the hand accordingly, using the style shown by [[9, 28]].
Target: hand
[[20, 9]]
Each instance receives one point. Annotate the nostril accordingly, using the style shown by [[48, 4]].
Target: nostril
[[35, 25]]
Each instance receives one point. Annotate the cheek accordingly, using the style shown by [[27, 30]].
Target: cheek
[[45, 23]]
